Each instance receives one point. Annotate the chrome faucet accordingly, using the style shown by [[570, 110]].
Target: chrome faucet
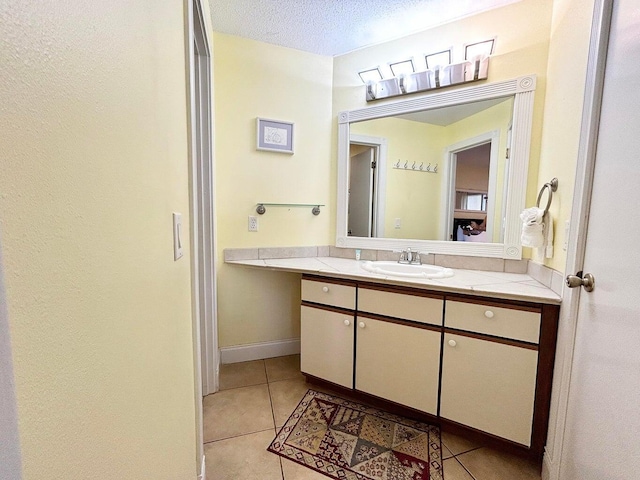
[[410, 257]]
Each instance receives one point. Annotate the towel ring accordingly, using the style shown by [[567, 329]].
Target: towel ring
[[552, 186]]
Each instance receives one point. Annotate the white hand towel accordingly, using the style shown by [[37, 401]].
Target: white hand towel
[[532, 227], [548, 235], [532, 216]]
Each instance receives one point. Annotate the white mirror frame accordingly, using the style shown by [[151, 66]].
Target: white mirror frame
[[522, 89]]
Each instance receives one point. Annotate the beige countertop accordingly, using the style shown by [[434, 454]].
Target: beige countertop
[[510, 286]]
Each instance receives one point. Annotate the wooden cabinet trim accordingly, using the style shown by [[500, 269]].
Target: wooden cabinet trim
[[399, 321], [329, 308], [336, 281], [416, 292], [510, 304], [491, 338], [544, 379]]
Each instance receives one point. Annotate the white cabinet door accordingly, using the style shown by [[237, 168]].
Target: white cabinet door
[[398, 363], [489, 386], [326, 345]]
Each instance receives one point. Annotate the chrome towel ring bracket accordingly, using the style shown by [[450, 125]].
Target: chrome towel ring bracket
[[551, 186]]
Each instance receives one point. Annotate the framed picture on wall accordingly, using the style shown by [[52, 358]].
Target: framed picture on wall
[[275, 136]]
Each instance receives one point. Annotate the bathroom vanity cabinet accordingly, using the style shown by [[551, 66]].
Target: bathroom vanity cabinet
[[474, 364]]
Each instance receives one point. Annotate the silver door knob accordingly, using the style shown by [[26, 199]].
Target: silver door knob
[[587, 281]]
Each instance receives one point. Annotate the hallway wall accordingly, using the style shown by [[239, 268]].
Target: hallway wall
[[94, 161]]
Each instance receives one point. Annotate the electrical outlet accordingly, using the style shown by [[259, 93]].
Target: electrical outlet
[[253, 223]]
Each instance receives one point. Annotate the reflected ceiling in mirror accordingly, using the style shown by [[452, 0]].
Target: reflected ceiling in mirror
[[422, 151]]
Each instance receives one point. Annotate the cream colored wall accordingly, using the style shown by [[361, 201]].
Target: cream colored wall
[[254, 79], [415, 196], [522, 31], [94, 161], [567, 66]]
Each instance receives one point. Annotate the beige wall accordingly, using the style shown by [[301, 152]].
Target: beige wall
[[413, 197], [567, 66], [254, 79], [94, 161]]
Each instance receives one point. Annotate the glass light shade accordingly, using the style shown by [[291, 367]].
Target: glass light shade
[[480, 49], [372, 75], [402, 68], [438, 59]]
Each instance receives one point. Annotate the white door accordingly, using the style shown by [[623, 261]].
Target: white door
[[602, 430]]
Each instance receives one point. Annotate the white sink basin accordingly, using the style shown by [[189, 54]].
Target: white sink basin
[[406, 270]]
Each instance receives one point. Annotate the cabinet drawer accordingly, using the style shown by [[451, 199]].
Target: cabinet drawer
[[329, 293], [399, 305], [499, 321]]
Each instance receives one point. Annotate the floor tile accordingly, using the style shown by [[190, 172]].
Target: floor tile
[[283, 368], [285, 396], [245, 457], [446, 453], [454, 471], [456, 444], [236, 412], [243, 374], [294, 471], [489, 464]]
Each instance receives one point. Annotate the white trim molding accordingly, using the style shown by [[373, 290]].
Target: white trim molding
[[10, 454], [258, 351]]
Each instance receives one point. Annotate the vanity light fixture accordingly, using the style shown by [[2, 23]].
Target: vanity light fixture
[[404, 67], [441, 72]]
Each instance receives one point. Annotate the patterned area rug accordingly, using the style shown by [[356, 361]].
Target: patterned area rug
[[349, 441]]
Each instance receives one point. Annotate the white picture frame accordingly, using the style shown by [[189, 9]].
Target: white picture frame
[[274, 135]]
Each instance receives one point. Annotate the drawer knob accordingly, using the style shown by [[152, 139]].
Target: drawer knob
[[347, 322], [488, 314], [452, 343], [362, 324], [325, 289]]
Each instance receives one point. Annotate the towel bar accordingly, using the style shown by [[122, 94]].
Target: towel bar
[[552, 186]]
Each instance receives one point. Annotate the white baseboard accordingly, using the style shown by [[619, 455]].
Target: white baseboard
[[203, 471], [257, 351]]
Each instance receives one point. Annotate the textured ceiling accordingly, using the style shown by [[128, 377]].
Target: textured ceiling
[[334, 27]]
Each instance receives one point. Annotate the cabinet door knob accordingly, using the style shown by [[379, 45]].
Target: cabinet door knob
[[362, 324], [488, 314], [452, 343], [325, 289], [347, 322]]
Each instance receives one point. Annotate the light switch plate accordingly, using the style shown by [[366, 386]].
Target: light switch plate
[[177, 236]]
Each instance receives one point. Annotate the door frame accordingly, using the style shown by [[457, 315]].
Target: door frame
[[380, 186], [600, 29], [202, 231], [10, 457], [448, 187]]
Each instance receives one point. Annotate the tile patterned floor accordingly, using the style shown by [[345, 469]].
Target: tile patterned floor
[[256, 398]]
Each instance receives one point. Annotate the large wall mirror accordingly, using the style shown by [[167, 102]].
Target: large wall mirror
[[442, 173]]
